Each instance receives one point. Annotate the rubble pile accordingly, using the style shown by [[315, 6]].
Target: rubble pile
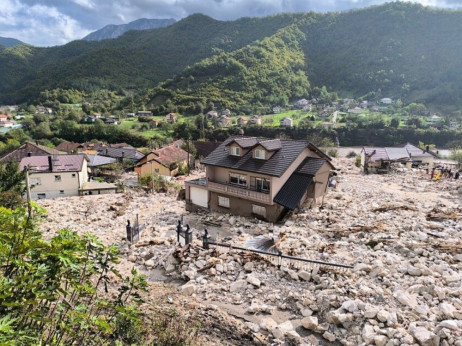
[[402, 233]]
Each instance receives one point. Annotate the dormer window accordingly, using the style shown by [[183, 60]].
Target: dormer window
[[259, 154], [235, 151]]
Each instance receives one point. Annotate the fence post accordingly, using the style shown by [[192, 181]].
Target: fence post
[[205, 240], [178, 231], [188, 235], [129, 231]]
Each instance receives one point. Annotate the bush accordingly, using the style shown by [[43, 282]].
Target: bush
[[358, 161], [333, 153], [351, 154], [55, 292]]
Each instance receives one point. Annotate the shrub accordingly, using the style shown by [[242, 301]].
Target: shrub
[[351, 154], [333, 153], [358, 161]]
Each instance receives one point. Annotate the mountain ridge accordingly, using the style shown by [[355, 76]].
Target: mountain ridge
[[10, 42], [398, 50], [113, 31]]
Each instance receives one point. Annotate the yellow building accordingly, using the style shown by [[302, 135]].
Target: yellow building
[[164, 161]]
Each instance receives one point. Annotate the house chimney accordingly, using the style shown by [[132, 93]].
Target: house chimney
[[50, 164]]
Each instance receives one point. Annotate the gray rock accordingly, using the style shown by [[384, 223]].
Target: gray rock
[[253, 281], [329, 336], [239, 285], [310, 322], [304, 275], [189, 288]]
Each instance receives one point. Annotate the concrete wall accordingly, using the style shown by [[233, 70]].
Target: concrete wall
[[69, 184], [243, 207]]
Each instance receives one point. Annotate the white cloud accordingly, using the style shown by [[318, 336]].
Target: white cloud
[[85, 3]]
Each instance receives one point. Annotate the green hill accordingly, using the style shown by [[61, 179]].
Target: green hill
[[397, 50]]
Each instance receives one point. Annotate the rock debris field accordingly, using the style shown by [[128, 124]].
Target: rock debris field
[[402, 234]]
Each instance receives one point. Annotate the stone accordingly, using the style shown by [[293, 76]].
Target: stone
[[406, 298], [368, 334], [423, 336], [253, 281], [383, 315], [294, 337], [370, 312], [329, 336], [188, 289], [411, 270], [239, 285], [350, 306], [149, 263], [380, 340], [268, 323], [286, 327], [304, 275], [306, 312], [310, 322], [278, 333], [248, 267], [449, 324], [447, 310]]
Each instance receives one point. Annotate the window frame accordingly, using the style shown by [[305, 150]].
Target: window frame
[[262, 181], [260, 151], [240, 182], [236, 151]]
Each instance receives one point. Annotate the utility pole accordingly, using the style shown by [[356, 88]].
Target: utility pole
[[29, 206], [152, 178]]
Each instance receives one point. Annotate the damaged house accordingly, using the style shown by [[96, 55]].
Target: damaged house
[[265, 178], [378, 160]]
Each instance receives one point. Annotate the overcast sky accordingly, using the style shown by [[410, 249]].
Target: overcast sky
[[55, 22]]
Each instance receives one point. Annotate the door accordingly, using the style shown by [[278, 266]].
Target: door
[[199, 197]]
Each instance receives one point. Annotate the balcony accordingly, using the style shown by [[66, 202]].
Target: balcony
[[241, 192]]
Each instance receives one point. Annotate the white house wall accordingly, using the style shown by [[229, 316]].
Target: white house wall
[[68, 186]]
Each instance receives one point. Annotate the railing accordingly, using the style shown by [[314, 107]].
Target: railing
[[276, 258], [239, 191]]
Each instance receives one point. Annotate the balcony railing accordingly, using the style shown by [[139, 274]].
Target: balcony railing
[[241, 192]]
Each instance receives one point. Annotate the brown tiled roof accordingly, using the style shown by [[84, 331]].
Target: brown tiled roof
[[170, 154], [67, 147], [26, 149], [60, 163], [271, 144], [244, 142]]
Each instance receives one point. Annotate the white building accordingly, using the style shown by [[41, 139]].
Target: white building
[[60, 176]]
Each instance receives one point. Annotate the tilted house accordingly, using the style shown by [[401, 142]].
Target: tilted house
[[266, 178], [164, 161], [378, 160]]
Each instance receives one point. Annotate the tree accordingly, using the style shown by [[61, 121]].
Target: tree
[[55, 292], [394, 122], [11, 185]]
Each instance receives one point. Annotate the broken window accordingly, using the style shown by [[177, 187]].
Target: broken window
[[57, 178]]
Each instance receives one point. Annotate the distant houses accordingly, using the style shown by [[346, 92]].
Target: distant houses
[[286, 122]]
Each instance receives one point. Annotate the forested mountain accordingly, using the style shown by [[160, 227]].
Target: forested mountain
[[9, 42], [397, 50], [114, 31]]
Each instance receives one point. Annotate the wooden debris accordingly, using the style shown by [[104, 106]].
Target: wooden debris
[[393, 207]]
